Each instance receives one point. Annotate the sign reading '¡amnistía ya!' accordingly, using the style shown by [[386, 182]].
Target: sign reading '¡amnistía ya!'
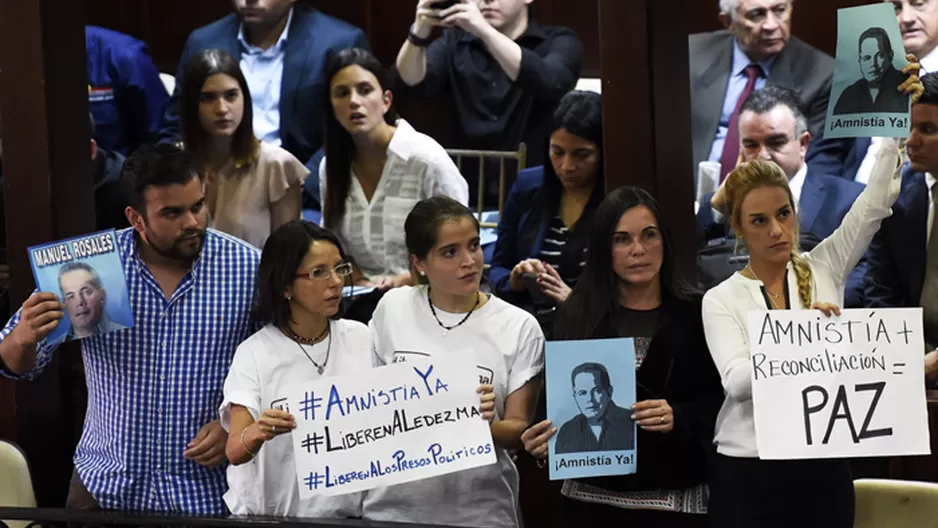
[[389, 425], [847, 386]]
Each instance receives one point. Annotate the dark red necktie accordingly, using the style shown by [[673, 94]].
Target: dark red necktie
[[731, 146]]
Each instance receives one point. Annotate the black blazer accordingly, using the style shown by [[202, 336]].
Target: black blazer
[[679, 369]]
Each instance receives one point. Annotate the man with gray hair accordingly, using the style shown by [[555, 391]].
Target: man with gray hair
[[772, 128], [85, 301], [756, 49]]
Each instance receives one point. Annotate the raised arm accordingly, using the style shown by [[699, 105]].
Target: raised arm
[[847, 244], [415, 61]]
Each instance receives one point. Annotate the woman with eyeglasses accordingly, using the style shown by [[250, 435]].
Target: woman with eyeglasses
[[629, 288], [447, 315], [300, 278]]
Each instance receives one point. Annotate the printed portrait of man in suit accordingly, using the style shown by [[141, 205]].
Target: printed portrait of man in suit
[[85, 301], [877, 89], [601, 425]]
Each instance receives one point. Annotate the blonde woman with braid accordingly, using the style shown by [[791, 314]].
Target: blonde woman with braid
[[747, 491]]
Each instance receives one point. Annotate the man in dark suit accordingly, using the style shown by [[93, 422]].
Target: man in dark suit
[[903, 257], [877, 89], [282, 49], [853, 158], [772, 127], [757, 49], [601, 425]]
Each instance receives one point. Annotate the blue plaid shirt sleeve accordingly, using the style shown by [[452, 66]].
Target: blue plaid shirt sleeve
[[43, 352]]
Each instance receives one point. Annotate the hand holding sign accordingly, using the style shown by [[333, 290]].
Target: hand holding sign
[[913, 85], [535, 438], [487, 407], [826, 308], [274, 422], [931, 365], [40, 315], [656, 416]]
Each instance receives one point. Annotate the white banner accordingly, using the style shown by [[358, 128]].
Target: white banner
[[848, 386], [388, 425]]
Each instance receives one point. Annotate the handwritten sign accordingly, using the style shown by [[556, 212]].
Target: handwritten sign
[[390, 425], [848, 386]]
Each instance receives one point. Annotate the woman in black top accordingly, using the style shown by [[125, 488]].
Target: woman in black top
[[629, 288]]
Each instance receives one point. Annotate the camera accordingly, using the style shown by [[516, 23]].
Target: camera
[[443, 4]]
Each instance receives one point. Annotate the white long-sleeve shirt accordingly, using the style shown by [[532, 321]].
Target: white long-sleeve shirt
[[726, 307]]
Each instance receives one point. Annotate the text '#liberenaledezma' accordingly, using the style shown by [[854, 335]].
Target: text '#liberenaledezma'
[[847, 386], [390, 425]]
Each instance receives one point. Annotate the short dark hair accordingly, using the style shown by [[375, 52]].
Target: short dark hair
[[338, 144], [422, 226], [200, 67], [878, 33], [284, 251], [156, 165], [596, 368], [765, 100], [930, 83]]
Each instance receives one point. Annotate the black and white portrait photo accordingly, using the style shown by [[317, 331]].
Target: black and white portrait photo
[[877, 89], [601, 425]]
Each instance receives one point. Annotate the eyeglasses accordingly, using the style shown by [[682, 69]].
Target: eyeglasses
[[342, 270]]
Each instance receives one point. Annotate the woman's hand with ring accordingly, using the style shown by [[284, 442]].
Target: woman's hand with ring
[[274, 423], [654, 415]]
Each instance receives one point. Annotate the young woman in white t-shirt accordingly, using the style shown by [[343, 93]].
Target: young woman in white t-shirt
[[447, 315], [300, 279]]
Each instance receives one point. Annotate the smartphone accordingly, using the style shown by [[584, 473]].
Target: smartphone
[[530, 283], [443, 4]]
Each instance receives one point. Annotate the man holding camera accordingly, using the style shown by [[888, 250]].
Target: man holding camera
[[505, 71]]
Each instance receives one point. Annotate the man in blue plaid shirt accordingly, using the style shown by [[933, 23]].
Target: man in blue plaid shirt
[[152, 441]]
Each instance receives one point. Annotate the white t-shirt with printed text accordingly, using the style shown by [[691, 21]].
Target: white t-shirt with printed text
[[265, 364], [507, 345]]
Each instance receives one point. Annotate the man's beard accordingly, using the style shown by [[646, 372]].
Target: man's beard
[[175, 249]]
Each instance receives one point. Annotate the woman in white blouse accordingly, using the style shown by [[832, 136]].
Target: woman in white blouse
[[747, 491], [376, 168], [447, 315]]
